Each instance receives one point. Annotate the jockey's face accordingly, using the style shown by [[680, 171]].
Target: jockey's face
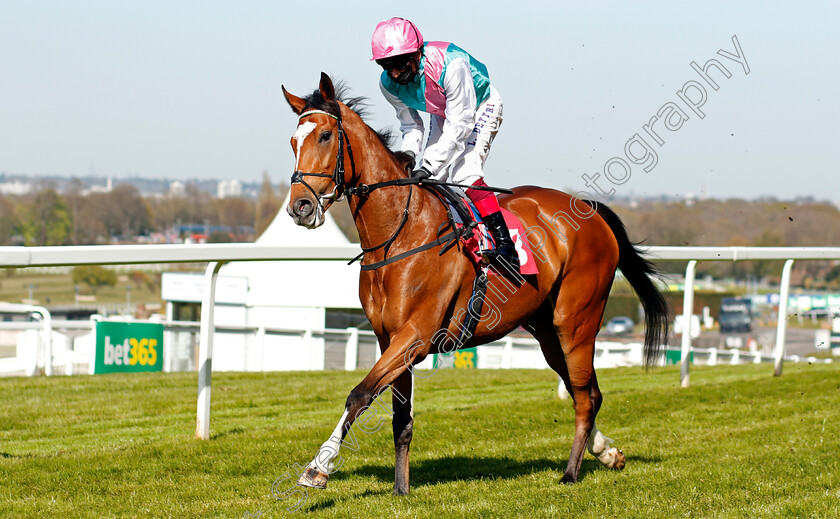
[[403, 68]]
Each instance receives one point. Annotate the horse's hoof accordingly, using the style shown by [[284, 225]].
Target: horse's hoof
[[619, 459], [313, 478], [613, 459], [568, 479]]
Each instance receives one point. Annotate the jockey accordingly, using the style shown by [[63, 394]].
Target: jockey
[[465, 113]]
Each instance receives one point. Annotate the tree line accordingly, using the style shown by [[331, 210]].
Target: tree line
[[736, 222], [47, 217]]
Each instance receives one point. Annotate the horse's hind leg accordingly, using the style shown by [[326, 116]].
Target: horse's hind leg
[[599, 445], [574, 365], [578, 319], [578, 356], [542, 327]]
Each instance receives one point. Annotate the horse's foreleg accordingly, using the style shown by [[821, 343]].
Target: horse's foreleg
[[393, 363], [403, 430]]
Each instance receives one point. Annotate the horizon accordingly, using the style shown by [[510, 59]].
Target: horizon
[[627, 197]]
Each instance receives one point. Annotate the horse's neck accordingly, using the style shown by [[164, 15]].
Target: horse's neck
[[378, 215]]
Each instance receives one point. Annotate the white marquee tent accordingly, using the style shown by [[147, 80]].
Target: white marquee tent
[[293, 295]]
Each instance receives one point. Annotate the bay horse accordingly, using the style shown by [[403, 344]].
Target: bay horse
[[415, 291]]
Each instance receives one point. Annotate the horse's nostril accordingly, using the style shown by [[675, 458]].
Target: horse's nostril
[[304, 207]]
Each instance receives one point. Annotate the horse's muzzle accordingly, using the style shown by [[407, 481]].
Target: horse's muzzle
[[305, 212]]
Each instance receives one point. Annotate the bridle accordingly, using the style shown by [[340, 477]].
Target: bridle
[[337, 174], [341, 188], [362, 190]]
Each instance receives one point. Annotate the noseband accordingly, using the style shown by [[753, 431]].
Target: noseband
[[337, 174]]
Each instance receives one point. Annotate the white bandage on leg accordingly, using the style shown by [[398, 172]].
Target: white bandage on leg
[[599, 446], [327, 454]]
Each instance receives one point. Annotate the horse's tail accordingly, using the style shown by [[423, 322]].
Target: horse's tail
[[640, 273]]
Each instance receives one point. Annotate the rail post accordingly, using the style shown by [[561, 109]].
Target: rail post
[[45, 344], [205, 350], [688, 309], [507, 353], [562, 394], [351, 351], [781, 326], [259, 338]]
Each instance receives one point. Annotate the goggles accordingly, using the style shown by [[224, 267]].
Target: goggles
[[400, 62]]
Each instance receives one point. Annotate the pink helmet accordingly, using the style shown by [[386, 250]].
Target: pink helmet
[[394, 37]]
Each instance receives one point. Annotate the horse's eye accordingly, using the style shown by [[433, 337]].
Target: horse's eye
[[325, 136]]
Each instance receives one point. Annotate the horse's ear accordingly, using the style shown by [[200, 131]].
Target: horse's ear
[[327, 88], [294, 101]]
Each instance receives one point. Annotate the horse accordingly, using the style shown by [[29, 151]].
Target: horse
[[415, 290]]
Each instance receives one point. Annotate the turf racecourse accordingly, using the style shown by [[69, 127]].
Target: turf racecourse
[[738, 443]]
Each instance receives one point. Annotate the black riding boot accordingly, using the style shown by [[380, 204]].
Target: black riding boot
[[501, 236]]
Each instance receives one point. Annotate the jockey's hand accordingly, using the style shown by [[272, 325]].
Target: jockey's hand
[[421, 173]]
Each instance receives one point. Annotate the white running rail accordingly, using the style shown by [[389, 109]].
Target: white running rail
[[218, 254]]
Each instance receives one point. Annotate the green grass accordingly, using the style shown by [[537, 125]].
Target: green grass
[[738, 443]]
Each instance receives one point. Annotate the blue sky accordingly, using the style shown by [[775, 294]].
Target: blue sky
[[189, 89]]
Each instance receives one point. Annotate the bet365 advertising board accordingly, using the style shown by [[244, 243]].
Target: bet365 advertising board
[[128, 347]]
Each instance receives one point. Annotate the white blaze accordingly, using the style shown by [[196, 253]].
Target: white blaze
[[300, 135]]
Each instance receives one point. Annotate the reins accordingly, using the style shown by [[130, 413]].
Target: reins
[[363, 190], [448, 239], [387, 243]]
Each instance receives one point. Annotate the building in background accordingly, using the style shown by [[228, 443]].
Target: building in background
[[177, 188], [229, 189], [15, 187]]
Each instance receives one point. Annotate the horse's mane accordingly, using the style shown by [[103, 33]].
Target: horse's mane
[[358, 104]]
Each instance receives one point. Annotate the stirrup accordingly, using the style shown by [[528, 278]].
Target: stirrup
[[491, 257], [488, 256]]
